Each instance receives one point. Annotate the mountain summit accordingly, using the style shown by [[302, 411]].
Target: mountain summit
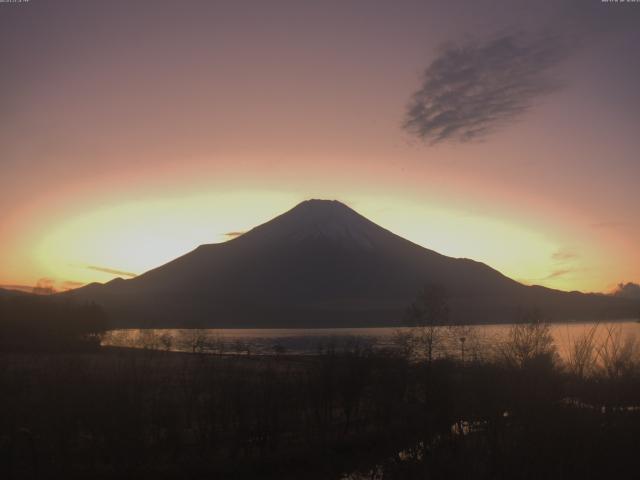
[[323, 264], [330, 220]]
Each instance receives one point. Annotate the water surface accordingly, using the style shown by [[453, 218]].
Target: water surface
[[478, 340]]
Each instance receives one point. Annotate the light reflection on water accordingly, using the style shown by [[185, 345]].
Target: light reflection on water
[[478, 339]]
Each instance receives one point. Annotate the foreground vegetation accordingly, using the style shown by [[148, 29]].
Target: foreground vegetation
[[354, 413], [39, 323], [441, 404]]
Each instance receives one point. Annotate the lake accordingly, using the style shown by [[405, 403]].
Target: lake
[[478, 340]]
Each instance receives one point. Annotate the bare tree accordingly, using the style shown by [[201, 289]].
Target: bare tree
[[582, 356], [404, 341], [528, 341], [426, 314], [166, 340], [617, 355], [197, 340], [149, 339]]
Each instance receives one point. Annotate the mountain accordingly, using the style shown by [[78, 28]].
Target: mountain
[[323, 264]]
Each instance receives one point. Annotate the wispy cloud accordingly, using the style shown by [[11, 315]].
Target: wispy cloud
[[234, 234], [70, 284], [21, 288], [474, 88], [564, 255], [558, 273], [563, 264], [111, 270], [564, 259]]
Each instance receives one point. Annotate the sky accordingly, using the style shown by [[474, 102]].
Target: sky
[[502, 131]]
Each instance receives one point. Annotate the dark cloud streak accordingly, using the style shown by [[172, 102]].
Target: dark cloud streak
[[472, 89], [558, 273], [112, 270]]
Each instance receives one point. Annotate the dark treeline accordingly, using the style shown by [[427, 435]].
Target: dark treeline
[[44, 323], [153, 414]]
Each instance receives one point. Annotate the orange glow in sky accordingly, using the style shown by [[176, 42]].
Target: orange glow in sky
[[131, 237], [131, 136]]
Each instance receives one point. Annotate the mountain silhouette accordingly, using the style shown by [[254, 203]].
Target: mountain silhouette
[[10, 292], [323, 264]]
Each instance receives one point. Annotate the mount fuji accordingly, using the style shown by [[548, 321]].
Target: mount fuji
[[321, 264]]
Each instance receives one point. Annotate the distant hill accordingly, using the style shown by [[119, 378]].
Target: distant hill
[[322, 264], [8, 292]]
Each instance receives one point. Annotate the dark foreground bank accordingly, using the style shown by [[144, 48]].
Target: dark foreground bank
[[348, 414]]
